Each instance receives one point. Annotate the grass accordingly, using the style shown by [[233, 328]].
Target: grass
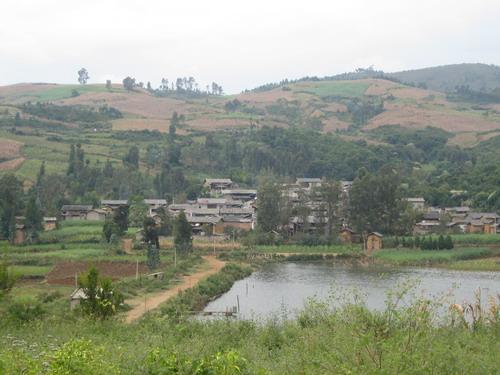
[[30, 271], [429, 257], [300, 249], [487, 264], [346, 89], [322, 340], [476, 239], [79, 231], [65, 91]]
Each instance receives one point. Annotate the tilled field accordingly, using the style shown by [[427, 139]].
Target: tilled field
[[64, 273]]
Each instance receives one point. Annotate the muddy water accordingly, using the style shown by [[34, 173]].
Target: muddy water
[[281, 289]]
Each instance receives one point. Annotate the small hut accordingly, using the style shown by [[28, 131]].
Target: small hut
[[346, 235], [373, 242], [20, 234], [76, 297], [49, 223]]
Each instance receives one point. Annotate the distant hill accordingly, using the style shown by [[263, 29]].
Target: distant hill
[[479, 77]]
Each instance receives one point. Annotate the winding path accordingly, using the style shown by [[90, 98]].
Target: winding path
[[142, 305]]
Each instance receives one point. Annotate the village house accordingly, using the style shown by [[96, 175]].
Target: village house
[[49, 223], [204, 225], [218, 203], [217, 184], [96, 214], [113, 204], [75, 211], [308, 183], [373, 242], [417, 204], [234, 222], [482, 222], [243, 195], [430, 222], [155, 204]]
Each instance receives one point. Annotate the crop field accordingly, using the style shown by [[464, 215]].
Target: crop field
[[429, 257], [346, 89], [414, 117]]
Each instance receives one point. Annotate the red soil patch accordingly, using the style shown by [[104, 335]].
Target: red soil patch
[[14, 92], [471, 139], [213, 124], [141, 124], [335, 107], [333, 123], [379, 87], [9, 148], [64, 273], [10, 165], [137, 103], [413, 117]]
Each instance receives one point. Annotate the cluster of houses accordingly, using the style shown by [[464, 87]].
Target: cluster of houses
[[229, 207], [456, 220]]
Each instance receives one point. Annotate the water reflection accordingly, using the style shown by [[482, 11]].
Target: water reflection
[[283, 288]]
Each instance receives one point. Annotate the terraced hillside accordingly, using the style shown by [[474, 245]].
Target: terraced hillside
[[351, 108]]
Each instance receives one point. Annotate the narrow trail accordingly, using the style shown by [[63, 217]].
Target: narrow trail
[[140, 305]]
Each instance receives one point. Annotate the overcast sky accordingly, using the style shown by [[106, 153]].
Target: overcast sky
[[239, 44]]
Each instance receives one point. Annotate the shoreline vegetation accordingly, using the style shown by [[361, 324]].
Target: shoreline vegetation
[[322, 339], [38, 332]]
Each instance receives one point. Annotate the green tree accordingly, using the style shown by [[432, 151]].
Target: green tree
[[129, 83], [120, 218], [102, 299], [109, 229], [17, 119], [448, 243], [270, 197], [153, 257], [33, 219], [83, 76], [7, 279], [330, 194], [175, 121], [376, 202], [183, 240], [151, 231], [11, 192], [138, 211], [131, 160]]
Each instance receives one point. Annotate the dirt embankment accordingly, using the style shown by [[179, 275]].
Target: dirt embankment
[[142, 305]]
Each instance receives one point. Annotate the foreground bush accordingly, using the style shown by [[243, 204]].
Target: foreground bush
[[403, 338]]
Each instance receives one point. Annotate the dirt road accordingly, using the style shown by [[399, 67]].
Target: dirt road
[[142, 305]]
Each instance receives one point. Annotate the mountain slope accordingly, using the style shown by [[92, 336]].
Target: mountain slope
[[447, 77], [351, 107]]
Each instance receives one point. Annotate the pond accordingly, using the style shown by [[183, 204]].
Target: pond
[[281, 289]]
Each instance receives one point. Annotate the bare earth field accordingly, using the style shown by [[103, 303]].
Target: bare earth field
[[63, 273], [9, 149], [137, 103], [413, 117], [11, 165]]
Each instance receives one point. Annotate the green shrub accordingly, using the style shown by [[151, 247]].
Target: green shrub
[[25, 310], [220, 363], [81, 357]]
